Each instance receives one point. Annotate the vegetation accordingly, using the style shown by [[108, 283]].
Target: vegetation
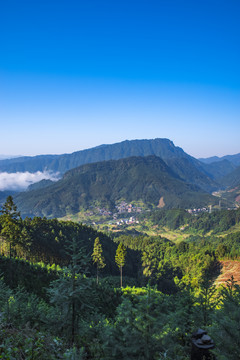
[[66, 314], [10, 227], [162, 148], [120, 259], [146, 179], [232, 179], [216, 222], [97, 256]]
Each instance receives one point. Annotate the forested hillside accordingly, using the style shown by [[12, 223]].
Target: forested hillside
[[216, 222], [163, 148], [232, 179], [146, 179], [234, 159], [219, 169], [186, 166], [53, 307]]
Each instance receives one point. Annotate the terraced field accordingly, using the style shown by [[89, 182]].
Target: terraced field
[[229, 268]]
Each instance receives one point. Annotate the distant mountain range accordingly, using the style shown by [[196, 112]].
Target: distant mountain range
[[226, 169], [163, 148], [179, 179], [227, 173], [3, 157], [234, 159], [5, 194], [147, 179], [232, 179], [219, 169], [187, 167]]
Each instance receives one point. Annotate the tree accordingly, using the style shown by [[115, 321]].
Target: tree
[[120, 258], [226, 325], [136, 331], [207, 301], [70, 293], [10, 223], [97, 256]]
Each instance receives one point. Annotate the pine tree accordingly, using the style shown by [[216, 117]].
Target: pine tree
[[97, 256], [10, 223], [226, 329], [120, 259], [136, 331], [70, 292], [207, 299]]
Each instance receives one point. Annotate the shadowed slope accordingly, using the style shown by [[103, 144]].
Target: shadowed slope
[[148, 179]]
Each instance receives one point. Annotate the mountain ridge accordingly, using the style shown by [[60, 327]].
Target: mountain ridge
[[148, 179], [235, 159], [65, 162], [172, 155]]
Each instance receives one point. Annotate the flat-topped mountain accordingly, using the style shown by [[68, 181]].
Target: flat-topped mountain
[[147, 179], [163, 148], [187, 167]]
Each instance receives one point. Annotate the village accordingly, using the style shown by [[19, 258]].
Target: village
[[129, 211], [125, 214]]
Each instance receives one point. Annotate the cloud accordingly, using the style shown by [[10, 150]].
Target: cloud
[[19, 181]]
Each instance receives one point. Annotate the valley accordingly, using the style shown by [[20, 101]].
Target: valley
[[145, 246], [120, 218]]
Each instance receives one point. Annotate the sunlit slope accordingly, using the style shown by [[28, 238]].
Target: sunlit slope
[[187, 167], [148, 179]]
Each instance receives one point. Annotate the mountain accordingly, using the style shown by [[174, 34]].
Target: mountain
[[4, 194], [163, 148], [3, 157], [187, 167], [219, 169], [40, 185], [210, 160], [29, 163], [231, 196], [189, 170], [234, 159], [232, 179], [231, 183], [147, 179]]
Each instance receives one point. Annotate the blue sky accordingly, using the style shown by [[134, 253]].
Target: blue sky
[[77, 74]]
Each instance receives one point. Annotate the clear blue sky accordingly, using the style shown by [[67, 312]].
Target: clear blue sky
[[77, 74]]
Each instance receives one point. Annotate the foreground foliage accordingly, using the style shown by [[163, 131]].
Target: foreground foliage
[[142, 324], [48, 311]]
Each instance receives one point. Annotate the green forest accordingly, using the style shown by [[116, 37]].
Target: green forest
[[69, 291], [145, 179]]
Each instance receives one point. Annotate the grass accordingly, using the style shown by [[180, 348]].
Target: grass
[[233, 229]]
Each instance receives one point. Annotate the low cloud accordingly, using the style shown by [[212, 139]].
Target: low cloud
[[19, 181]]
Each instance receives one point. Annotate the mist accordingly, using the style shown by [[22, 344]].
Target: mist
[[19, 181]]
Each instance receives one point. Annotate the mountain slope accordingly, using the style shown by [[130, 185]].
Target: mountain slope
[[148, 179], [232, 179], [5, 194], [234, 159], [232, 183], [40, 185], [229, 268], [191, 171], [187, 167], [219, 169], [163, 148]]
